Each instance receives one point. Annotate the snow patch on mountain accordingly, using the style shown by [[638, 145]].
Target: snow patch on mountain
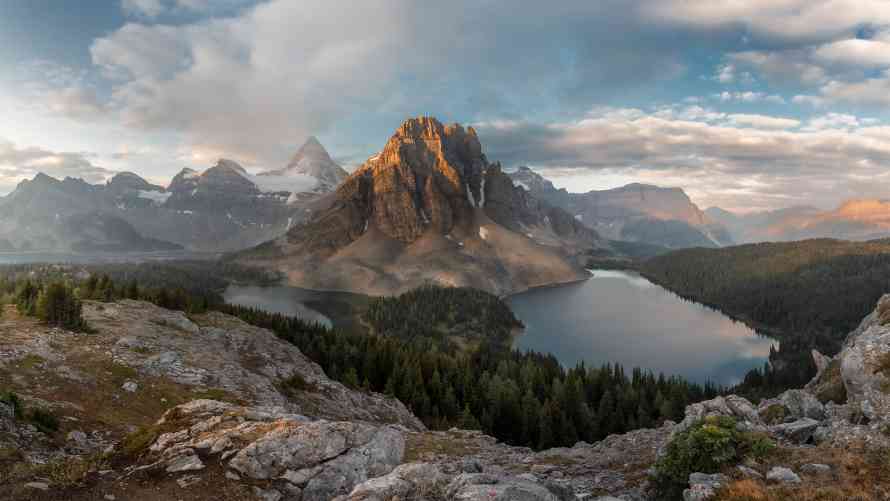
[[158, 197]]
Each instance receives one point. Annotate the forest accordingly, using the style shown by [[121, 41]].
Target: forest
[[450, 317], [807, 295], [520, 398]]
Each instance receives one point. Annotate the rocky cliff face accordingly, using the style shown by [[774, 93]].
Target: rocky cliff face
[[430, 206], [636, 212]]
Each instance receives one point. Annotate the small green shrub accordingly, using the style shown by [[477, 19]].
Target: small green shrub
[[135, 443], [44, 420], [11, 399], [708, 447], [295, 385], [774, 414]]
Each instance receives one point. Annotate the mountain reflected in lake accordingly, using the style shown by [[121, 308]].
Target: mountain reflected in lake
[[621, 317]]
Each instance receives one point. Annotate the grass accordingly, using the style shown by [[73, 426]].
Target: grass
[[422, 446], [30, 362], [857, 475], [294, 385]]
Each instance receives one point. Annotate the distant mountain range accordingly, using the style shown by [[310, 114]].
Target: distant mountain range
[[636, 213], [865, 219], [223, 208], [430, 208]]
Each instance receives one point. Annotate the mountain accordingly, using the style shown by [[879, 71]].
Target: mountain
[[863, 219], [430, 208], [312, 160], [636, 212], [223, 208]]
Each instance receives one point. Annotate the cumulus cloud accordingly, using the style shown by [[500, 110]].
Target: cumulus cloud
[[755, 160], [855, 52], [18, 163], [750, 97], [283, 74]]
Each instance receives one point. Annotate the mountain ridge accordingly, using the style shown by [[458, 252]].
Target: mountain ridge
[[635, 212]]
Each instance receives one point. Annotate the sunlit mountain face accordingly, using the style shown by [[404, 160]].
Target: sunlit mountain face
[[747, 106]]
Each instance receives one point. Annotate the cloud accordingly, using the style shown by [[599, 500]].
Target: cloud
[[142, 8], [18, 163], [772, 20], [763, 121], [284, 69], [783, 66], [750, 97], [748, 159], [871, 91], [855, 52]]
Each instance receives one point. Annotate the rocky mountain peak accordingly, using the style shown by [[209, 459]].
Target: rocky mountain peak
[[313, 160], [128, 181], [225, 163], [428, 176]]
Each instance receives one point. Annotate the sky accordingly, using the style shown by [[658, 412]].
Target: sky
[[746, 104]]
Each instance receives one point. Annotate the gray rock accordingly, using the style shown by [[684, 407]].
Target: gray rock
[[859, 357], [802, 404], [815, 469], [484, 487], [185, 463], [130, 386], [782, 475], [800, 431], [703, 486], [40, 486], [320, 459], [471, 466], [409, 481], [749, 472], [267, 494], [188, 481]]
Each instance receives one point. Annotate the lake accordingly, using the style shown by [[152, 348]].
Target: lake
[[619, 316], [100, 258]]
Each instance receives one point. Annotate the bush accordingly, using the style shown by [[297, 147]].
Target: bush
[[13, 400], [43, 420], [707, 446]]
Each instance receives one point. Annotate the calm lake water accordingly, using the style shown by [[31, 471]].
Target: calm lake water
[[289, 301], [621, 317], [99, 258]]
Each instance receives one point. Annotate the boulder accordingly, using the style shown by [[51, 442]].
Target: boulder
[[796, 404], [407, 480], [782, 475], [319, 459], [815, 469], [484, 487], [800, 431], [703, 486], [864, 365]]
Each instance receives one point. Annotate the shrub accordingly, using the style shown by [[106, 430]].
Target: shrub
[[295, 385], [13, 400], [707, 446], [774, 414], [44, 420]]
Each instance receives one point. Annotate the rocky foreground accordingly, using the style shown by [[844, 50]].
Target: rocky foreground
[[157, 405]]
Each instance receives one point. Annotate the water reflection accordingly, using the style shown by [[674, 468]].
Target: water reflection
[[288, 301], [621, 317]]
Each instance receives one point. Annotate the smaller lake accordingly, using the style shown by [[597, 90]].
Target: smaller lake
[[290, 301], [101, 258], [618, 316]]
